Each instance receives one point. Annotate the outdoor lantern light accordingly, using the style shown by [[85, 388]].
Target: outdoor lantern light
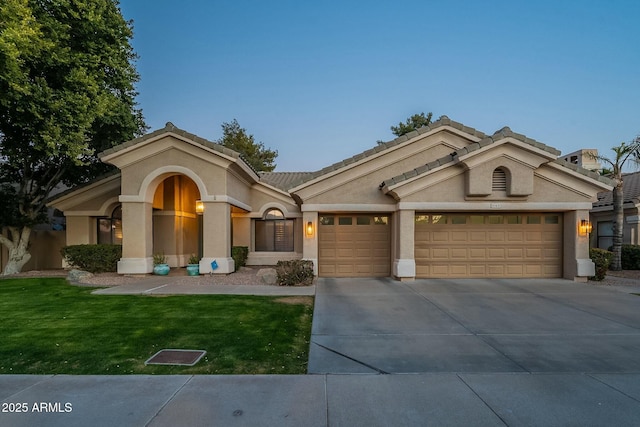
[[585, 227], [199, 207], [309, 229]]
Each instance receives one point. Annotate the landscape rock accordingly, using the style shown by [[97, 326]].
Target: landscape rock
[[268, 276], [78, 275]]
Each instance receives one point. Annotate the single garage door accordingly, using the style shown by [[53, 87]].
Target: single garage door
[[354, 245], [488, 245]]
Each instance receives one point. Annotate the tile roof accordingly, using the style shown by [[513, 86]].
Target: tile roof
[[442, 121], [630, 188], [283, 180], [170, 127], [499, 135]]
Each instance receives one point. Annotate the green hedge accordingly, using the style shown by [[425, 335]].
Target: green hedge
[[239, 255], [93, 258], [295, 273], [630, 257], [601, 259]]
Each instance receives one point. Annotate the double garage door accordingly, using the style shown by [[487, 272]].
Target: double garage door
[[488, 245]]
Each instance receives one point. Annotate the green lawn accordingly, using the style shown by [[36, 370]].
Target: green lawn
[[50, 327]]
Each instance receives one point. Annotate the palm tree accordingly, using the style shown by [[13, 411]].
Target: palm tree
[[623, 153]]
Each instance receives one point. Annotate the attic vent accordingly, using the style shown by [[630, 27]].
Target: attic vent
[[499, 182]]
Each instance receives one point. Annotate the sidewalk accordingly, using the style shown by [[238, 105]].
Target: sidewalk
[[321, 400]]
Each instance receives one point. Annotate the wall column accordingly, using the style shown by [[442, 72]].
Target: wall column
[[137, 238], [577, 265], [216, 238], [404, 264], [310, 242]]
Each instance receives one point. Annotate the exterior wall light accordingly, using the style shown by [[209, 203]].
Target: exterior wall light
[[585, 227], [309, 229], [199, 207]]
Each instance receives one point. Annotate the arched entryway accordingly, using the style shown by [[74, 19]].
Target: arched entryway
[[176, 227]]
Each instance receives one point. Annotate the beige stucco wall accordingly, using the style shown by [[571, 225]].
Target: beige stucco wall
[[212, 173], [360, 184]]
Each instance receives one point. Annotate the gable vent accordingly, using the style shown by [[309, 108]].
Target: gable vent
[[499, 182]]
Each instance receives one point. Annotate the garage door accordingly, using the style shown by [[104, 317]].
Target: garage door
[[488, 245], [354, 245]]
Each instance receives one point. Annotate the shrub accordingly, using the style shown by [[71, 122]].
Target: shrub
[[194, 259], [93, 258], [159, 259], [239, 255], [295, 273], [601, 259], [630, 257]]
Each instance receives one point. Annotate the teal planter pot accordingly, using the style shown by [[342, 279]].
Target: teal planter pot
[[161, 269], [193, 269]]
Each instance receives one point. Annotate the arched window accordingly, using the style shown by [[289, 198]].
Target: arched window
[[274, 233], [110, 229], [499, 182]]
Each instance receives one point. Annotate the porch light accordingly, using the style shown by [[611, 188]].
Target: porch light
[[199, 207], [585, 227], [309, 229]]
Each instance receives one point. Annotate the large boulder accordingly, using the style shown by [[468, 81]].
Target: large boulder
[[268, 276], [76, 276]]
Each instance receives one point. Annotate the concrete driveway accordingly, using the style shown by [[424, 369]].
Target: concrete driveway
[[473, 326]]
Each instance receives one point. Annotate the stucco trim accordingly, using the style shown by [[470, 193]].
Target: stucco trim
[[346, 207], [274, 205], [607, 185], [494, 206], [150, 183]]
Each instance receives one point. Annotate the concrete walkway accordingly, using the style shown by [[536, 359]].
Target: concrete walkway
[[481, 353], [166, 285]]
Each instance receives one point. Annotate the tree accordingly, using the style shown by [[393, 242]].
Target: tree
[[623, 153], [413, 123], [255, 154], [66, 92]]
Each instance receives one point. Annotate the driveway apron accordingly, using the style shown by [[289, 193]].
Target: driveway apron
[[472, 326]]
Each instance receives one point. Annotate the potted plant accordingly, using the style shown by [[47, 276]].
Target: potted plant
[[193, 268], [160, 266]]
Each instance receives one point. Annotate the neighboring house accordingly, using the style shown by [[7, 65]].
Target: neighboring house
[[602, 214], [443, 201], [587, 158]]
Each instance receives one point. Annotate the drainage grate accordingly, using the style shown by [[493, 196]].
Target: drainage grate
[[176, 357]]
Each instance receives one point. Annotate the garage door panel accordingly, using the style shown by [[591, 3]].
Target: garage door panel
[[458, 253], [477, 236], [440, 253], [495, 270], [477, 253], [496, 236], [459, 236], [515, 236], [489, 248], [515, 253], [514, 270], [496, 253], [477, 270]]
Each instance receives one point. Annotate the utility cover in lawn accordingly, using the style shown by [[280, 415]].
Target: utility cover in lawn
[[176, 357]]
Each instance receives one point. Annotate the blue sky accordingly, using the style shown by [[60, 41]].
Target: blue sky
[[321, 81]]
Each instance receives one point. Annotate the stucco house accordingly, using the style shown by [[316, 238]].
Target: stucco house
[[602, 214], [444, 201]]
